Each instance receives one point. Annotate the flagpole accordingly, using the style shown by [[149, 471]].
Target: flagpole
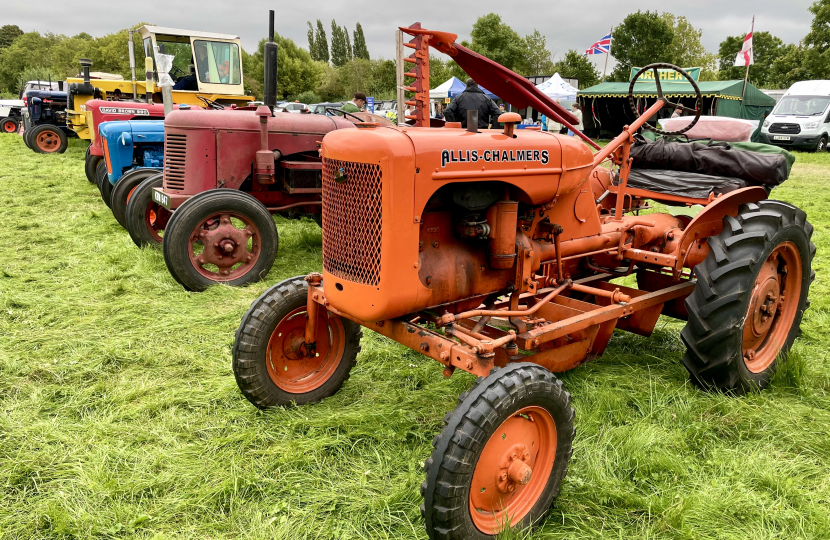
[[746, 76], [610, 42]]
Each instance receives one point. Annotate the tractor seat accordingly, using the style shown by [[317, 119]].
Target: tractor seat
[[680, 185]]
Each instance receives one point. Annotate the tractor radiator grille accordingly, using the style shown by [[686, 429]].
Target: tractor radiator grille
[[175, 154], [352, 220]]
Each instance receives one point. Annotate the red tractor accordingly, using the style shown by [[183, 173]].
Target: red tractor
[[225, 173], [495, 252]]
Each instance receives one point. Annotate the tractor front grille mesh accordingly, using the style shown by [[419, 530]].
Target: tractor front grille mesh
[[352, 220], [175, 154]]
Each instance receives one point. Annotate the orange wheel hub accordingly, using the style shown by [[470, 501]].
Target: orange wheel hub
[[8, 127], [772, 307], [513, 469], [291, 365], [48, 141]]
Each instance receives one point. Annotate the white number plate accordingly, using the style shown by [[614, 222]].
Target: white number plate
[[161, 198], [781, 138]]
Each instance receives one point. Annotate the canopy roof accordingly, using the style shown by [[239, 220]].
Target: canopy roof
[[557, 88], [720, 89], [443, 90]]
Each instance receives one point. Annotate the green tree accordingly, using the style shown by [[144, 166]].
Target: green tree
[[498, 42], [321, 45], [576, 65], [686, 48], [27, 51], [766, 48], [788, 67], [298, 73], [817, 41], [640, 40], [537, 57], [312, 48], [349, 54], [338, 45], [330, 87], [360, 50], [8, 33]]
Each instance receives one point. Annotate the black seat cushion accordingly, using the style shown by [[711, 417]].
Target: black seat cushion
[[682, 184]]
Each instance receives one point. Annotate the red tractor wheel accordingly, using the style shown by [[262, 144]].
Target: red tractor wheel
[[123, 190], [501, 457], [8, 125], [146, 219], [270, 360], [751, 293], [48, 139], [220, 236]]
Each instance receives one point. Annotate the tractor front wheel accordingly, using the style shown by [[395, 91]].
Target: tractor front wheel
[[48, 139], [271, 363], [91, 165], [501, 457], [220, 236], [745, 311], [120, 196], [8, 125], [146, 219], [102, 180]]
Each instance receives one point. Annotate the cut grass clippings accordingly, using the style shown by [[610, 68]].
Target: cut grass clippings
[[120, 416]]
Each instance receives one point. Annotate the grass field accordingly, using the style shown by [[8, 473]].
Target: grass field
[[120, 417]]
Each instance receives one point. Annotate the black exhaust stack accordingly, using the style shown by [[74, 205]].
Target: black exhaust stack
[[270, 66], [85, 65]]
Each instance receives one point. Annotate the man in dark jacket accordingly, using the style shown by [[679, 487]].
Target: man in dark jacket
[[472, 99]]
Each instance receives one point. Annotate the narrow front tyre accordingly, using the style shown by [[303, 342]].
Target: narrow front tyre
[[146, 219], [48, 139], [123, 190], [271, 363], [9, 125], [90, 165], [501, 457]]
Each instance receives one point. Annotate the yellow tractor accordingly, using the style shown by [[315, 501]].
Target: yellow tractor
[[207, 71]]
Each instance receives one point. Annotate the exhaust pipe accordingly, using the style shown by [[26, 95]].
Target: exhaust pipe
[[270, 97], [131, 48], [86, 63]]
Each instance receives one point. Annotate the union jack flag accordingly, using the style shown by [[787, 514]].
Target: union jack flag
[[602, 46]]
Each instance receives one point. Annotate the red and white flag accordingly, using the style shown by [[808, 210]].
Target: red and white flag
[[745, 57]]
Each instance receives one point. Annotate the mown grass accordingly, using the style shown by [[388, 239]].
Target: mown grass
[[120, 417]]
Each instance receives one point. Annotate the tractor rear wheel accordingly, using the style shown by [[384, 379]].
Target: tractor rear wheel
[[145, 218], [48, 139], [220, 236], [120, 196], [270, 361], [501, 456], [90, 165], [751, 293], [102, 179], [8, 125]]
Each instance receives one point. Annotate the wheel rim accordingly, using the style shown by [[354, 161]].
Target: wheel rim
[[48, 141], [290, 366], [8, 127], [772, 307], [224, 246], [155, 219], [513, 469]]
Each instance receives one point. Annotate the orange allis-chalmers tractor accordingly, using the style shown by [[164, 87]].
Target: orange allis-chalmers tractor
[[494, 252]]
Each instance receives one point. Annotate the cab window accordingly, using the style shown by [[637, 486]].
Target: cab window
[[217, 62]]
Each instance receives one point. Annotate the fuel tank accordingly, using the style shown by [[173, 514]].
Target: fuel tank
[[376, 186], [207, 149]]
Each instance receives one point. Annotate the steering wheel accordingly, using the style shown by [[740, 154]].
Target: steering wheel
[[654, 67], [344, 113], [175, 69], [210, 104]]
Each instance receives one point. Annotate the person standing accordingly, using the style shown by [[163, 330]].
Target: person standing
[[356, 104], [496, 123], [577, 111], [472, 99]]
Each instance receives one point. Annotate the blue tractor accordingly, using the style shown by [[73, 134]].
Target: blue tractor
[[45, 122], [133, 152]]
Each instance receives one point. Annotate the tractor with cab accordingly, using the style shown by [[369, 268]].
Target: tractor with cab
[[499, 253]]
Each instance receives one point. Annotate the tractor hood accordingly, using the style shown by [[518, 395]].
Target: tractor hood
[[309, 124]]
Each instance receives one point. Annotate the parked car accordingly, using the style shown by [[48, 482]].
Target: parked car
[[320, 108], [295, 107], [11, 110], [800, 118]]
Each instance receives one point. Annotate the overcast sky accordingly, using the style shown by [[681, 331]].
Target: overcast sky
[[567, 25]]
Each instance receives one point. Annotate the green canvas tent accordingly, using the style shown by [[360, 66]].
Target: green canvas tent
[[606, 107]]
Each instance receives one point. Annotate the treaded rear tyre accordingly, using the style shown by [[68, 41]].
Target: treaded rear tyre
[[62, 141], [251, 358], [9, 125], [90, 165], [452, 484], [124, 188], [730, 279], [145, 218], [102, 180]]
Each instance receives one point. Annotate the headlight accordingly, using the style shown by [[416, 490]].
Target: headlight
[[766, 123], [811, 125]]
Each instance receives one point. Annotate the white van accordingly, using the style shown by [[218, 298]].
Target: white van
[[801, 118]]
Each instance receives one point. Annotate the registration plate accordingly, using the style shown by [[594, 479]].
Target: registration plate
[[780, 138], [161, 198]]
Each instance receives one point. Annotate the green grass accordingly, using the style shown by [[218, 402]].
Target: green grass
[[120, 417]]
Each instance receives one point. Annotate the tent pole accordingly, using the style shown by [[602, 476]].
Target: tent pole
[[608, 54], [746, 75]]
